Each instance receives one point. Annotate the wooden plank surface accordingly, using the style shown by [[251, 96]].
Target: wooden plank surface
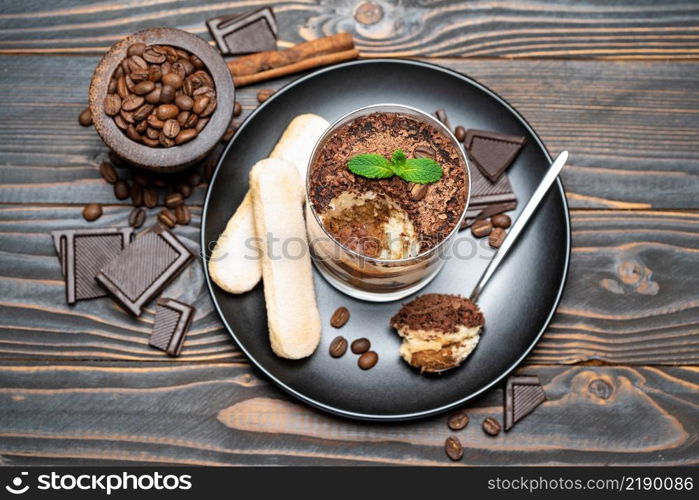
[[631, 128], [479, 28], [630, 297], [213, 414]]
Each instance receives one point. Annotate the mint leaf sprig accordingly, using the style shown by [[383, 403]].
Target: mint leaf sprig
[[417, 170]]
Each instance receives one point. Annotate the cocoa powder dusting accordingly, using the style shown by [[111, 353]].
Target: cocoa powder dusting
[[435, 215], [439, 312]]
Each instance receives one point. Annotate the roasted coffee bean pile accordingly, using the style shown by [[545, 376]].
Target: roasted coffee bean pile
[[160, 96]]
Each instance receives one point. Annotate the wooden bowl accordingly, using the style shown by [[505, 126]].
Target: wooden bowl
[[177, 157]]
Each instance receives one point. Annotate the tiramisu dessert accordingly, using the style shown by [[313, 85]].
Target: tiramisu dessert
[[439, 331], [388, 185]]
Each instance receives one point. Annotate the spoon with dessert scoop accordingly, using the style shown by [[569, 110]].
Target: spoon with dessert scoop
[[520, 223]]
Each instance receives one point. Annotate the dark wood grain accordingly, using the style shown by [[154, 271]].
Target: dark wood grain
[[632, 129], [216, 414], [526, 28], [631, 295]]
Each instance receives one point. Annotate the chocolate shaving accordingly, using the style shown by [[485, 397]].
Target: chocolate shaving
[[439, 312]]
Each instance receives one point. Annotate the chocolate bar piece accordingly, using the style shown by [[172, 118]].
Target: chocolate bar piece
[[172, 320], [492, 153], [484, 211], [523, 394], [254, 31], [144, 268], [83, 252], [485, 193]]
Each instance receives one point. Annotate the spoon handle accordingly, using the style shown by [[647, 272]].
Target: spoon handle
[[521, 222]]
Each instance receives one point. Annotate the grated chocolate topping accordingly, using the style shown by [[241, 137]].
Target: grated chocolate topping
[[439, 312], [435, 215]]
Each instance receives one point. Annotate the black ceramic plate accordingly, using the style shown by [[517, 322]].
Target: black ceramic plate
[[517, 303]]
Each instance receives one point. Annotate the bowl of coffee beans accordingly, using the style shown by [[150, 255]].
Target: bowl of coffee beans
[[161, 99]]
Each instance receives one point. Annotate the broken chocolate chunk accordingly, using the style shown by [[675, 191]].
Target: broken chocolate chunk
[[135, 276], [523, 394], [254, 31], [83, 252], [492, 153], [172, 320]]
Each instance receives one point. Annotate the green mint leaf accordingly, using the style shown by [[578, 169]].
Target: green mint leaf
[[398, 159], [370, 166], [419, 171]]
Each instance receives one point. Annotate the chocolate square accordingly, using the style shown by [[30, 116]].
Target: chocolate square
[[83, 252], [491, 152], [523, 394], [254, 31], [172, 320], [144, 268]]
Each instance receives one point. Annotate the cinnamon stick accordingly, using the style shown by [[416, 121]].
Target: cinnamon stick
[[263, 61], [290, 69]]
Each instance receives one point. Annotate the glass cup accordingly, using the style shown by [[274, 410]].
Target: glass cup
[[368, 278]]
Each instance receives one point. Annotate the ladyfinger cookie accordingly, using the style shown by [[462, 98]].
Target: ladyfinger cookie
[[292, 313], [234, 264]]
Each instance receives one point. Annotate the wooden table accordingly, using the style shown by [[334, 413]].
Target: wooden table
[[616, 83]]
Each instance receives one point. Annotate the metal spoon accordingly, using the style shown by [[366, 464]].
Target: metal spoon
[[520, 223]]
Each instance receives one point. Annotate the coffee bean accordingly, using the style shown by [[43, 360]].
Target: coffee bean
[[210, 168], [141, 126], [111, 88], [481, 228], [140, 179], [154, 57], [133, 134], [136, 49], [85, 117], [458, 421], [184, 102], [173, 200], [154, 73], [111, 104], [108, 172], [194, 179], [167, 94], [424, 152], [158, 182], [167, 111], [496, 237], [183, 215], [183, 117], [368, 360], [132, 102], [137, 63], [153, 143], [338, 347], [191, 121], [167, 218], [460, 133], [200, 103], [154, 122], [201, 124], [120, 122], [172, 79], [501, 220], [230, 132], [210, 108], [136, 195], [121, 88], [165, 68], [150, 197], [171, 128], [186, 135], [361, 345], [142, 113], [264, 94], [121, 190], [152, 133], [237, 109], [138, 75], [339, 318], [92, 211], [491, 426], [144, 87], [418, 191], [154, 96], [454, 448], [184, 189], [126, 115], [165, 141], [137, 217]]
